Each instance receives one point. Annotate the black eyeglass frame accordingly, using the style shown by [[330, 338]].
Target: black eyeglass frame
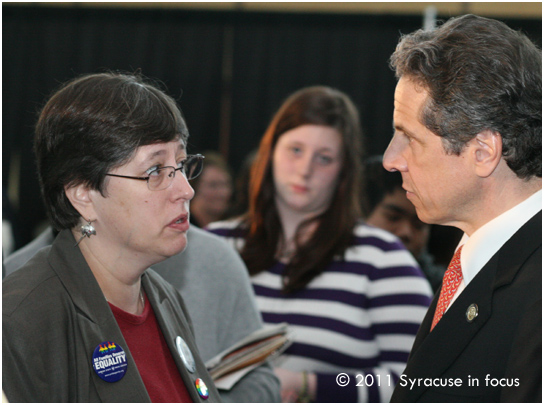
[[198, 156]]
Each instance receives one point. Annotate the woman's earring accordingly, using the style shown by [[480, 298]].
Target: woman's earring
[[86, 230]]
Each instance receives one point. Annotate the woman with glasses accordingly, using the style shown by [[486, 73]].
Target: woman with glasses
[[352, 293], [87, 320]]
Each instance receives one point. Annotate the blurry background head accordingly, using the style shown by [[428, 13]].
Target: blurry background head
[[213, 190], [389, 208]]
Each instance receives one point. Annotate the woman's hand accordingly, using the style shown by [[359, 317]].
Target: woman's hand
[[292, 385]]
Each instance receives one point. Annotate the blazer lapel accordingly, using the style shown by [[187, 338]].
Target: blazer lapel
[[95, 320], [173, 324], [433, 352], [131, 387]]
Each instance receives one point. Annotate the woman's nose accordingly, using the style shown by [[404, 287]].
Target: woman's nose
[[182, 188], [305, 165]]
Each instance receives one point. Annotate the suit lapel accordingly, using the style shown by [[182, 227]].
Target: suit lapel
[[425, 326], [438, 349], [433, 353]]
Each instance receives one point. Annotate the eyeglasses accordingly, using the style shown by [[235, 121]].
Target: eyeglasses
[[162, 178]]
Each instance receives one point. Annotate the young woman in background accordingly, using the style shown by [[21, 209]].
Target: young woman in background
[[353, 294]]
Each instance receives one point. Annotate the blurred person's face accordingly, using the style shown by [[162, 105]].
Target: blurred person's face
[[441, 186], [214, 190], [396, 214], [133, 221], [306, 164]]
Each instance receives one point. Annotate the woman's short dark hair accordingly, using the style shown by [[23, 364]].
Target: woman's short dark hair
[[317, 105], [480, 75], [94, 124]]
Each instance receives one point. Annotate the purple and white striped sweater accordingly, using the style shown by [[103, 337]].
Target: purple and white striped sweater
[[359, 317]]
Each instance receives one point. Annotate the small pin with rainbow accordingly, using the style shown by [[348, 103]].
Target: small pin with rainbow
[[201, 388]]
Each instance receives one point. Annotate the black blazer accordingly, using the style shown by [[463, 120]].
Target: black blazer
[[503, 343]]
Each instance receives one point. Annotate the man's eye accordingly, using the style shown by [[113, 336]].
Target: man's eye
[[403, 135]]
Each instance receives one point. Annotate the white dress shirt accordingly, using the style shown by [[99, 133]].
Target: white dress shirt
[[486, 241]]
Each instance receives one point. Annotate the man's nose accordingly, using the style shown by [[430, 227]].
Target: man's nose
[[392, 158]]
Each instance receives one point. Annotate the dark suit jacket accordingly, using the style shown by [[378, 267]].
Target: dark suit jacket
[[53, 317], [504, 342]]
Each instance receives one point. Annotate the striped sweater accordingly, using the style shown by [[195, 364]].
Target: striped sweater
[[359, 317]]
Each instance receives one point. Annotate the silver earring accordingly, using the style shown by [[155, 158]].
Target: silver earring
[[86, 230]]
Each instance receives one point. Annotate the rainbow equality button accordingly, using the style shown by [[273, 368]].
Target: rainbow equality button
[[201, 388], [110, 361]]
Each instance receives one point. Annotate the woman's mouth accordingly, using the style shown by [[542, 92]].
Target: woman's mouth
[[299, 189], [181, 223]]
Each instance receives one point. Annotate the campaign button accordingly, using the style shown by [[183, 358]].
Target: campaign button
[[110, 361], [185, 354]]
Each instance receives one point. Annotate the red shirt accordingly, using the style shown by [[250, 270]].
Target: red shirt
[[152, 355]]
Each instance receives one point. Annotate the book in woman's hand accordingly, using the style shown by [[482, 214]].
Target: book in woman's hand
[[250, 352]]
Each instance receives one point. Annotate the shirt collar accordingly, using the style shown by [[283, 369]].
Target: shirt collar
[[486, 241]]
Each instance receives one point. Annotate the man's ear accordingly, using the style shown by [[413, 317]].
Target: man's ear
[[487, 152], [80, 197]]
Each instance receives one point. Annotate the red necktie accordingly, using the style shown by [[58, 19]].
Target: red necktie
[[450, 284]]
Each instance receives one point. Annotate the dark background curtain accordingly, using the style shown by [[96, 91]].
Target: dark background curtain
[[229, 72]]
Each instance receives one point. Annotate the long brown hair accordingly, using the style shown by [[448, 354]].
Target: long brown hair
[[318, 105]]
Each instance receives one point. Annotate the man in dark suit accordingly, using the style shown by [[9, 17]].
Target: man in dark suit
[[468, 143]]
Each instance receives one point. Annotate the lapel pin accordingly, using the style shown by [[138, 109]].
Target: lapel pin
[[472, 312], [110, 361], [201, 388], [185, 354]]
